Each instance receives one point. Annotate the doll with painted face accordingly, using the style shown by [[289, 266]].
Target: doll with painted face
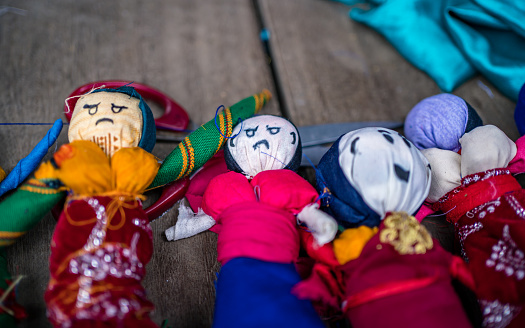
[[103, 240], [393, 274], [255, 208], [479, 195]]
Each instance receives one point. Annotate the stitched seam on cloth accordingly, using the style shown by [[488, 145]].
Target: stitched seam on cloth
[[184, 160], [10, 234], [191, 156], [41, 190], [257, 102], [221, 138]]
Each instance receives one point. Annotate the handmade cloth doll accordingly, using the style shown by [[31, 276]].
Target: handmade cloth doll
[[439, 121], [393, 273], [483, 200], [255, 208], [103, 240]]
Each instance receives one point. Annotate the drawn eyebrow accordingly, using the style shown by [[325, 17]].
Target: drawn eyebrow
[[91, 106]]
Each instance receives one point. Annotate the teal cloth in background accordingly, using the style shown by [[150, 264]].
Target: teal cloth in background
[[451, 40]]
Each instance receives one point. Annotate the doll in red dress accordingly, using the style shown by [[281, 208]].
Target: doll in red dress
[[391, 272], [479, 195]]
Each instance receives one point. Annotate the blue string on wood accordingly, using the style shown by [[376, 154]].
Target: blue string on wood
[[31, 123]]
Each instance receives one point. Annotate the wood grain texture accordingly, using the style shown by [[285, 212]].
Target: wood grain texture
[[333, 69], [201, 53]]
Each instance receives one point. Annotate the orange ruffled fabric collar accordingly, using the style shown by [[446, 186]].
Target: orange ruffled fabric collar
[[87, 171]]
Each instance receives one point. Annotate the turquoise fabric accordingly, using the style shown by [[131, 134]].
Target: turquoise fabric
[[451, 40]]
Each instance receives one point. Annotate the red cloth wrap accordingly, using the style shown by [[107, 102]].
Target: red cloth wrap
[[387, 289], [258, 231], [492, 237], [256, 218], [100, 285], [468, 196]]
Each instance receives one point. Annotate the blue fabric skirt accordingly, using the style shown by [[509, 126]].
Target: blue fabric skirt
[[254, 293]]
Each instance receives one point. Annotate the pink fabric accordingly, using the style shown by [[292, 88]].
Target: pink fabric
[[259, 211], [517, 164], [257, 231], [423, 212], [200, 181]]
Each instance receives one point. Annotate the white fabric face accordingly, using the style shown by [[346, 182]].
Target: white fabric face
[[446, 172], [265, 142], [386, 169], [484, 148]]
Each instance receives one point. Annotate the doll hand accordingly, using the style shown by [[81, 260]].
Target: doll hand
[[189, 224], [322, 225]]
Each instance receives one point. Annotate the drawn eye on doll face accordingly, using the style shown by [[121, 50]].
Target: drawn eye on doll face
[[273, 130], [250, 133], [111, 119]]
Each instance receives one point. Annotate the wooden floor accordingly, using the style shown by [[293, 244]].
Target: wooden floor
[[323, 68]]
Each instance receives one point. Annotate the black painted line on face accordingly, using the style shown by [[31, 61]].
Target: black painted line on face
[[261, 142], [105, 119]]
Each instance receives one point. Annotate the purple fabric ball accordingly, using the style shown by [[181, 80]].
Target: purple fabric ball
[[439, 121]]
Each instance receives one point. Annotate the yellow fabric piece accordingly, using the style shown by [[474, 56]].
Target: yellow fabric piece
[[2, 174], [85, 168], [46, 171], [350, 243], [133, 169]]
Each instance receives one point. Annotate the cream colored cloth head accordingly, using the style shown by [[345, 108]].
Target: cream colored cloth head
[[446, 172], [484, 148], [112, 120]]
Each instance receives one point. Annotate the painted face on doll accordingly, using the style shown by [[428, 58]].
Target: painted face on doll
[[265, 142], [112, 120], [387, 170]]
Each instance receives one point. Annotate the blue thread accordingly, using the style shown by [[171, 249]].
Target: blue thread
[[31, 123], [285, 166], [217, 126], [318, 174]]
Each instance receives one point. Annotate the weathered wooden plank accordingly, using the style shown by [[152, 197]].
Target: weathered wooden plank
[[333, 69], [201, 53]]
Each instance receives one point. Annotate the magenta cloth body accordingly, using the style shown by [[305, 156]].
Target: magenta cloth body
[[517, 165], [242, 209]]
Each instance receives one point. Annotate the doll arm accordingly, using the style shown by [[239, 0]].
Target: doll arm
[[197, 148], [189, 224], [26, 206], [322, 225]]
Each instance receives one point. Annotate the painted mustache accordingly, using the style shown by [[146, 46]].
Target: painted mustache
[[262, 142]]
